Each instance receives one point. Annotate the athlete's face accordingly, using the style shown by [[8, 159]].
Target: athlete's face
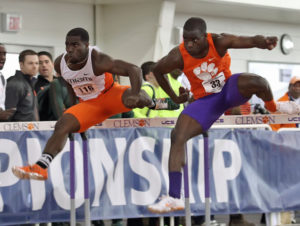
[[77, 50], [194, 41], [2, 56]]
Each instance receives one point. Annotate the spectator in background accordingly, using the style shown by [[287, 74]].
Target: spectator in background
[[41, 87], [5, 115], [46, 69], [54, 99], [293, 94], [20, 92], [150, 86], [164, 105]]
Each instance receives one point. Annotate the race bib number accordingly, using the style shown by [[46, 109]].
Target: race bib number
[[86, 89], [215, 84]]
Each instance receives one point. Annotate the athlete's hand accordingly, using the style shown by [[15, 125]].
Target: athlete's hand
[[269, 42], [183, 96], [131, 101]]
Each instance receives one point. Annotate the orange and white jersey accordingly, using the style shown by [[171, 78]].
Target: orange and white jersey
[[207, 75], [85, 83]]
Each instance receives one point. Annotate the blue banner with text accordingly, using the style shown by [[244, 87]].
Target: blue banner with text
[[251, 171]]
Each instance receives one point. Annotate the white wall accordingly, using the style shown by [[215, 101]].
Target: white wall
[[130, 30], [251, 27], [45, 23], [127, 31]]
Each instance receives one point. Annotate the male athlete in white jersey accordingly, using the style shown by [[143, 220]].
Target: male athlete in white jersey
[[89, 72]]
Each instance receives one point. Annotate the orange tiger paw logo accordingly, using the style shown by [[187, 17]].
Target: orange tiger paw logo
[[206, 71]]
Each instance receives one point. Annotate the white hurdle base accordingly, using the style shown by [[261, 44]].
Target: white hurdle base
[[161, 221], [273, 219]]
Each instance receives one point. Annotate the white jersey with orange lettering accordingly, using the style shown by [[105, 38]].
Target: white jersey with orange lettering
[[85, 83]]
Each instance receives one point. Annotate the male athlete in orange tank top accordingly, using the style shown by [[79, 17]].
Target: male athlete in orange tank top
[[203, 57], [210, 66]]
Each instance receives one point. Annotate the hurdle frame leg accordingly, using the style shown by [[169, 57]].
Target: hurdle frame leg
[[72, 181], [206, 180], [161, 221], [87, 214], [188, 221], [172, 221]]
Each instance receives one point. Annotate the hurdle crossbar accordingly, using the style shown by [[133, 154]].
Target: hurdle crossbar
[[159, 122]]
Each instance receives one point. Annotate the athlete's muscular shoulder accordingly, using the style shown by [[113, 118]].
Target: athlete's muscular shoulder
[[101, 62], [221, 42], [57, 64], [171, 61], [176, 57]]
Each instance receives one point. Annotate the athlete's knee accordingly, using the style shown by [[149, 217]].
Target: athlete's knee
[[66, 124], [173, 135], [253, 82], [61, 127], [177, 138]]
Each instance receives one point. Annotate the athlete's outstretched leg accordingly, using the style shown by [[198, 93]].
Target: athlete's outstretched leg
[[65, 125], [249, 84], [186, 128]]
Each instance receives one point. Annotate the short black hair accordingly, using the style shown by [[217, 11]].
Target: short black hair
[[147, 67], [41, 53], [79, 31], [25, 53], [195, 23], [1, 44]]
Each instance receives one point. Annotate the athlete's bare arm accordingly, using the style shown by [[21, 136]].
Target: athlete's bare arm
[[57, 65], [223, 42], [164, 66], [58, 74], [104, 63]]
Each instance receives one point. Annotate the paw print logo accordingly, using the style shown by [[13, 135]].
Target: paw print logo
[[206, 71], [142, 123], [30, 126], [265, 119]]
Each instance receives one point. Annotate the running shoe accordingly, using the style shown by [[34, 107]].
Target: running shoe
[[166, 204], [34, 172]]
